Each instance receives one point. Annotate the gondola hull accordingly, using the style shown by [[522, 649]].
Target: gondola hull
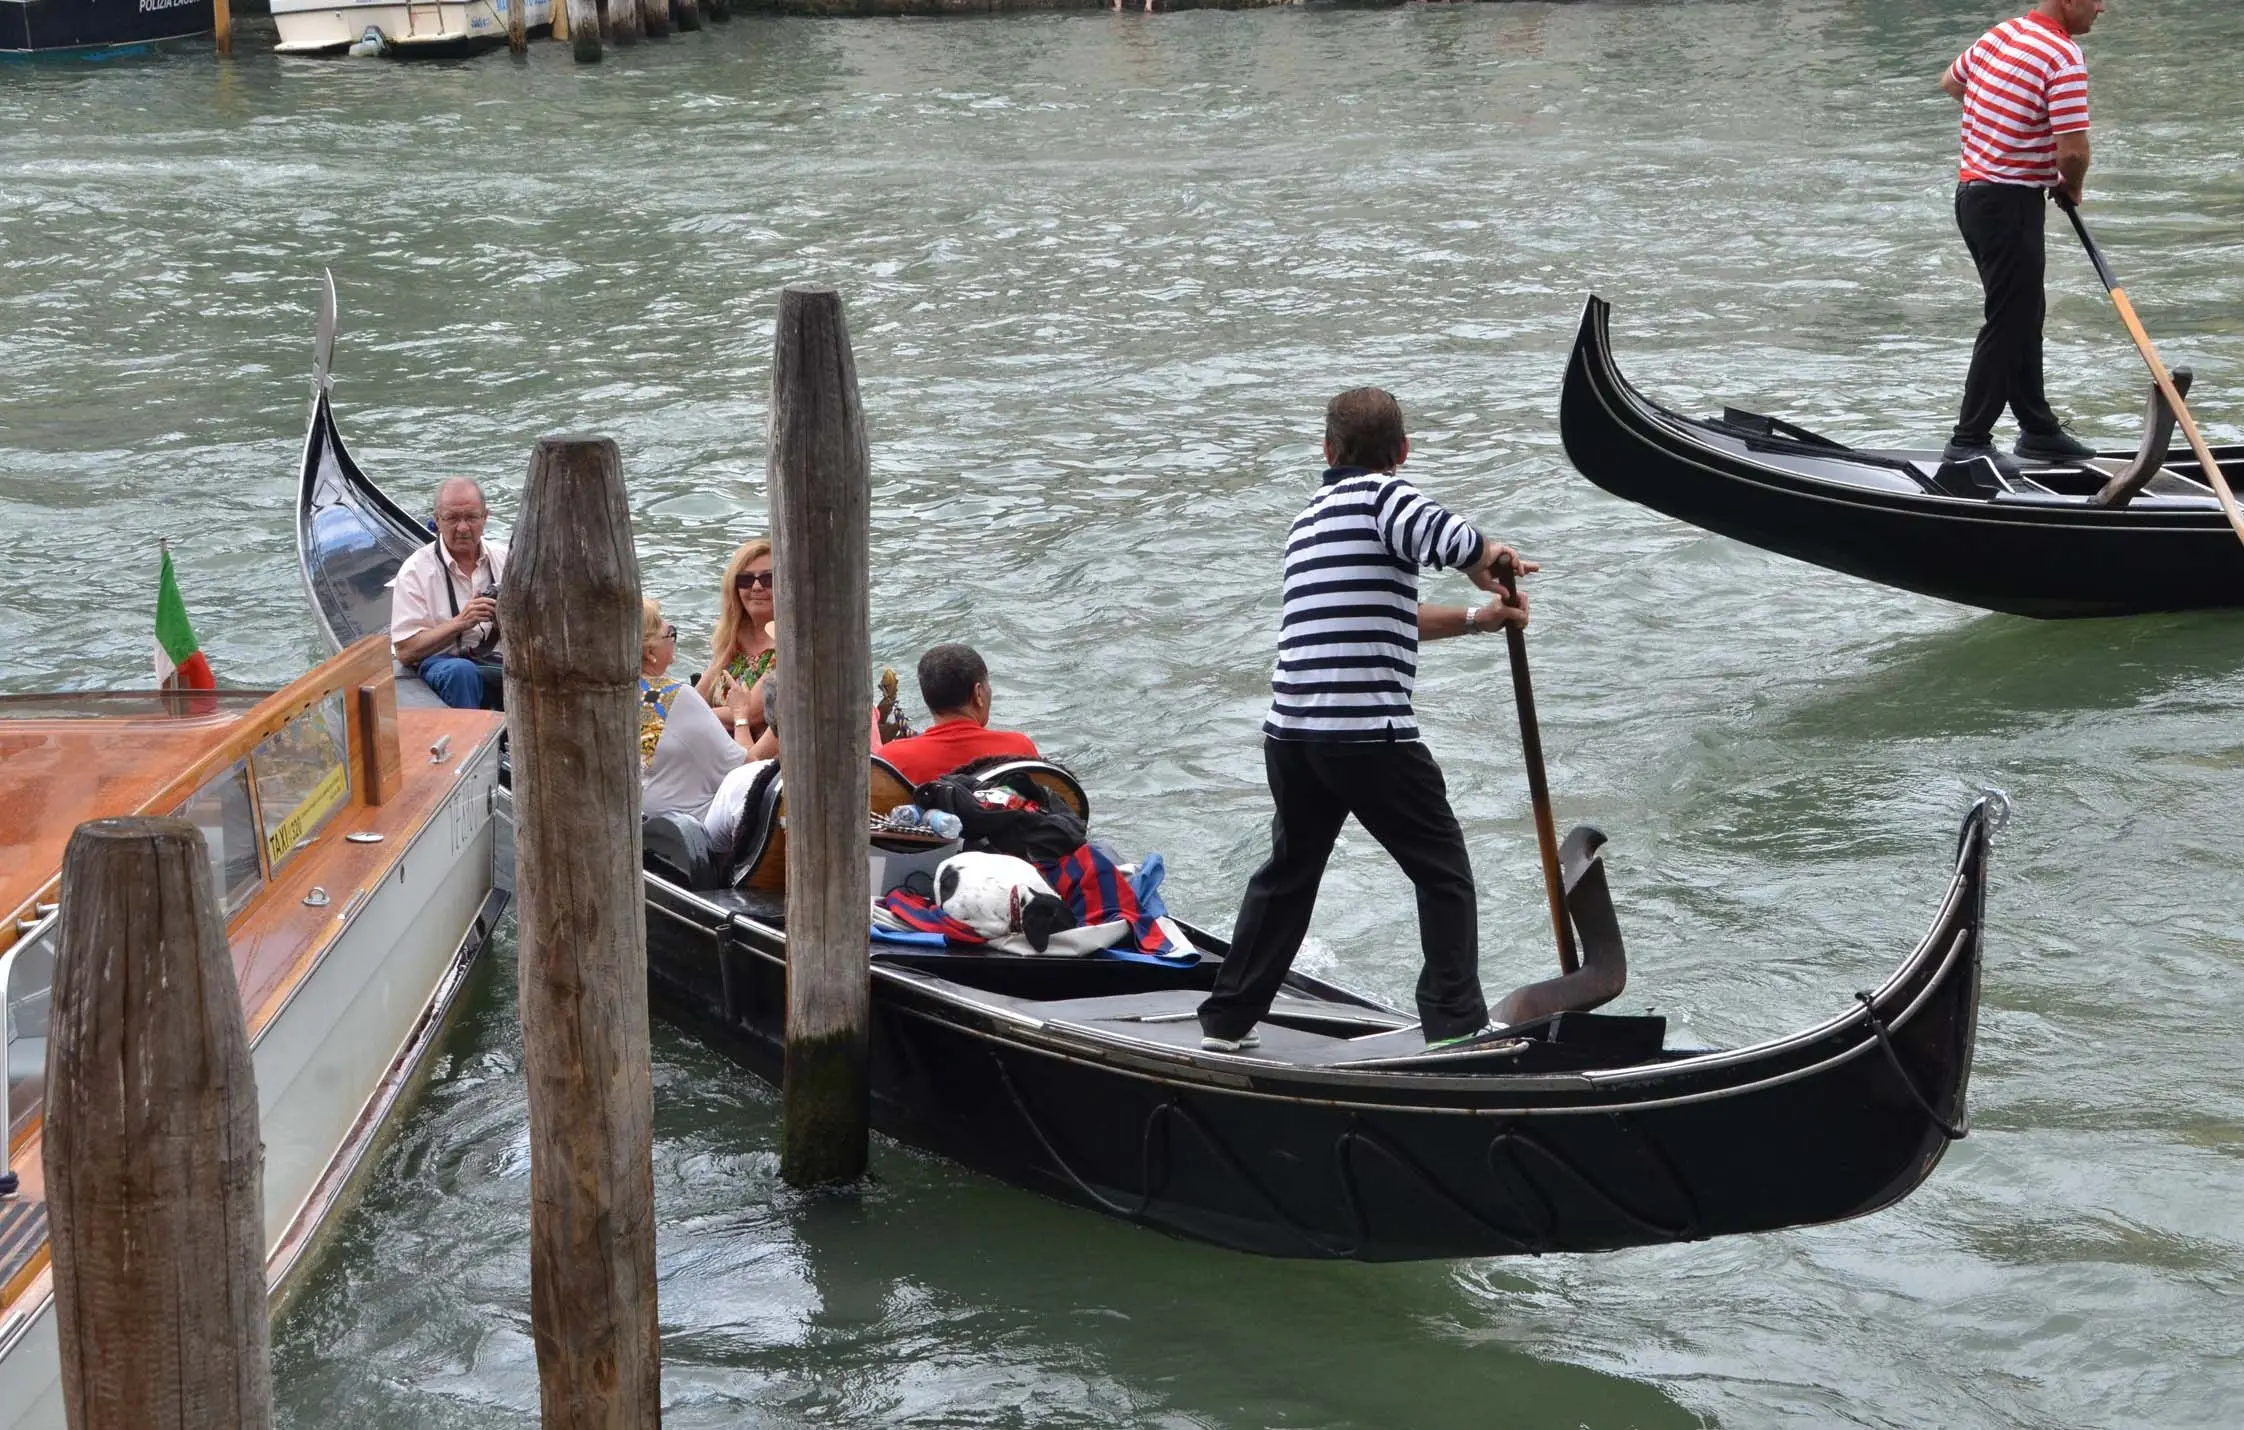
[[1082, 1078], [1295, 1162], [2045, 553]]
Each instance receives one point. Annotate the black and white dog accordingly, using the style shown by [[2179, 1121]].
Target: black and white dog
[[997, 894]]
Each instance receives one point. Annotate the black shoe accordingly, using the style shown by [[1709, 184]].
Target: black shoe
[[1970, 452], [2057, 446]]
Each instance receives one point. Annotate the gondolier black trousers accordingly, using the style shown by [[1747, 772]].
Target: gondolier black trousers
[[2002, 226], [1395, 791]]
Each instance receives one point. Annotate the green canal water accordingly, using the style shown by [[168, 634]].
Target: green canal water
[[1102, 271]]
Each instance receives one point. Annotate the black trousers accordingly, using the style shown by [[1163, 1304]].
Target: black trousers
[[2002, 226], [1396, 793]]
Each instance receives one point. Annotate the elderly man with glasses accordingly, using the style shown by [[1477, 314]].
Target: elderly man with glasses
[[444, 604]]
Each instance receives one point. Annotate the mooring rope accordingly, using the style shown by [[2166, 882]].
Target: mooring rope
[[1877, 1025]]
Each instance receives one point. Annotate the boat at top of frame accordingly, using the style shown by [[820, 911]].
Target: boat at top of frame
[[1343, 1135], [2116, 535]]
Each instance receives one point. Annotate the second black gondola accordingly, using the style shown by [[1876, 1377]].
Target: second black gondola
[[2119, 535]]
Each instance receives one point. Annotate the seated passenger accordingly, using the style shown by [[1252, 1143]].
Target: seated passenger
[[742, 651], [444, 604], [956, 686], [688, 763]]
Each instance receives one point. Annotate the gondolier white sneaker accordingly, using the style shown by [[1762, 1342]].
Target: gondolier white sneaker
[[1209, 1042]]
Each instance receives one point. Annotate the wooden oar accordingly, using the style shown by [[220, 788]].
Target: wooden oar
[[2159, 374], [1538, 788]]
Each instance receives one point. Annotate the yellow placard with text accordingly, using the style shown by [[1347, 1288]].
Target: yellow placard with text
[[333, 789]]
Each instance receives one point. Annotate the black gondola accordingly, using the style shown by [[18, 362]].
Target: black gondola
[[2118, 535], [1343, 1136]]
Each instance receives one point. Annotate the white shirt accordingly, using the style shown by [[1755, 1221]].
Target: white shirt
[[418, 599], [691, 759]]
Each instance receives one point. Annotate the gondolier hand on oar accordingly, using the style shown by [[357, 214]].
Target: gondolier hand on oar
[[2024, 91], [1341, 738]]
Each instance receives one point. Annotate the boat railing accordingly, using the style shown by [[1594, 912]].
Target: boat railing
[[27, 976]]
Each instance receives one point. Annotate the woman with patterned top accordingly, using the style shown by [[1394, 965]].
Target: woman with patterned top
[[689, 763], [742, 652]]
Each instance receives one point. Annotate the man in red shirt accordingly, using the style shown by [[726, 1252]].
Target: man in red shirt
[[956, 686], [2024, 91]]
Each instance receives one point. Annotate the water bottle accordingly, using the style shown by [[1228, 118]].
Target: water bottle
[[943, 824], [905, 816]]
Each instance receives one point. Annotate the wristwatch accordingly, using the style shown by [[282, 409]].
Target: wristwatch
[[1472, 619]]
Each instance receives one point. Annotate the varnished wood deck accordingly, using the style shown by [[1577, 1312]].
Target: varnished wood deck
[[55, 774]]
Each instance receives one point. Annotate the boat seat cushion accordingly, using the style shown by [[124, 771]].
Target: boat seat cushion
[[678, 848]]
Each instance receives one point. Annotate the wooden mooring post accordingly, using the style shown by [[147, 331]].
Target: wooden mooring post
[[685, 14], [619, 21], [578, 22], [222, 26], [716, 9], [654, 18], [820, 480], [518, 26], [570, 612], [154, 1171]]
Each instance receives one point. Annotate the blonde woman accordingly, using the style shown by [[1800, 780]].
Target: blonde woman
[[742, 652], [689, 763]]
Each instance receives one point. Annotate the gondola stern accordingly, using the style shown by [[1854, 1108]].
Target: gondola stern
[[1927, 1034], [1597, 408]]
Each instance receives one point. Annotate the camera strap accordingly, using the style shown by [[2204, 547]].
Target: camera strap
[[452, 597]]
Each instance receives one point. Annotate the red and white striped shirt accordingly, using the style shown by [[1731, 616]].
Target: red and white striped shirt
[[2024, 84]]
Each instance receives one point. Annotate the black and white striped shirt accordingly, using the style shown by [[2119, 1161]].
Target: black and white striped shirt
[[1348, 642]]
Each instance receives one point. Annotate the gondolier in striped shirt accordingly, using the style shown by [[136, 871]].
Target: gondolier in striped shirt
[[1341, 737], [2024, 91]]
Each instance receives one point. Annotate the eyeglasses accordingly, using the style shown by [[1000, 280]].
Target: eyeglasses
[[750, 580], [669, 632]]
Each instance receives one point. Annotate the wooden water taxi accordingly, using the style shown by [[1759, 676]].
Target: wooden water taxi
[[351, 845]]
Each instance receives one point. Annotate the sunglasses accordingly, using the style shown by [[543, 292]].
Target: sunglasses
[[667, 633], [750, 580]]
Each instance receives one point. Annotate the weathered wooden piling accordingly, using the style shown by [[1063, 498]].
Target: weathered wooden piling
[[578, 22], [222, 26], [518, 26], [820, 483], [620, 23], [570, 612], [155, 1175], [685, 14], [716, 9]]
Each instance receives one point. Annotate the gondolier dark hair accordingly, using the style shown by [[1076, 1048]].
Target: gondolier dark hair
[[948, 674], [1364, 428]]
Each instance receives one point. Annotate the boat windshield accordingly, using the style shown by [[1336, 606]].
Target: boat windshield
[[27, 976]]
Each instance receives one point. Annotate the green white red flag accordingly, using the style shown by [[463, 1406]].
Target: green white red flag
[[179, 657]]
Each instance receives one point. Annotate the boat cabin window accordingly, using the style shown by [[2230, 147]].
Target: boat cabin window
[[303, 778], [222, 811]]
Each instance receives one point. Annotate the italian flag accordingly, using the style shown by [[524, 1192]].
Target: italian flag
[[179, 659]]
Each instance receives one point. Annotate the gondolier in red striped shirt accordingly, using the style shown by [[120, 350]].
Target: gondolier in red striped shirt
[[2024, 91]]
